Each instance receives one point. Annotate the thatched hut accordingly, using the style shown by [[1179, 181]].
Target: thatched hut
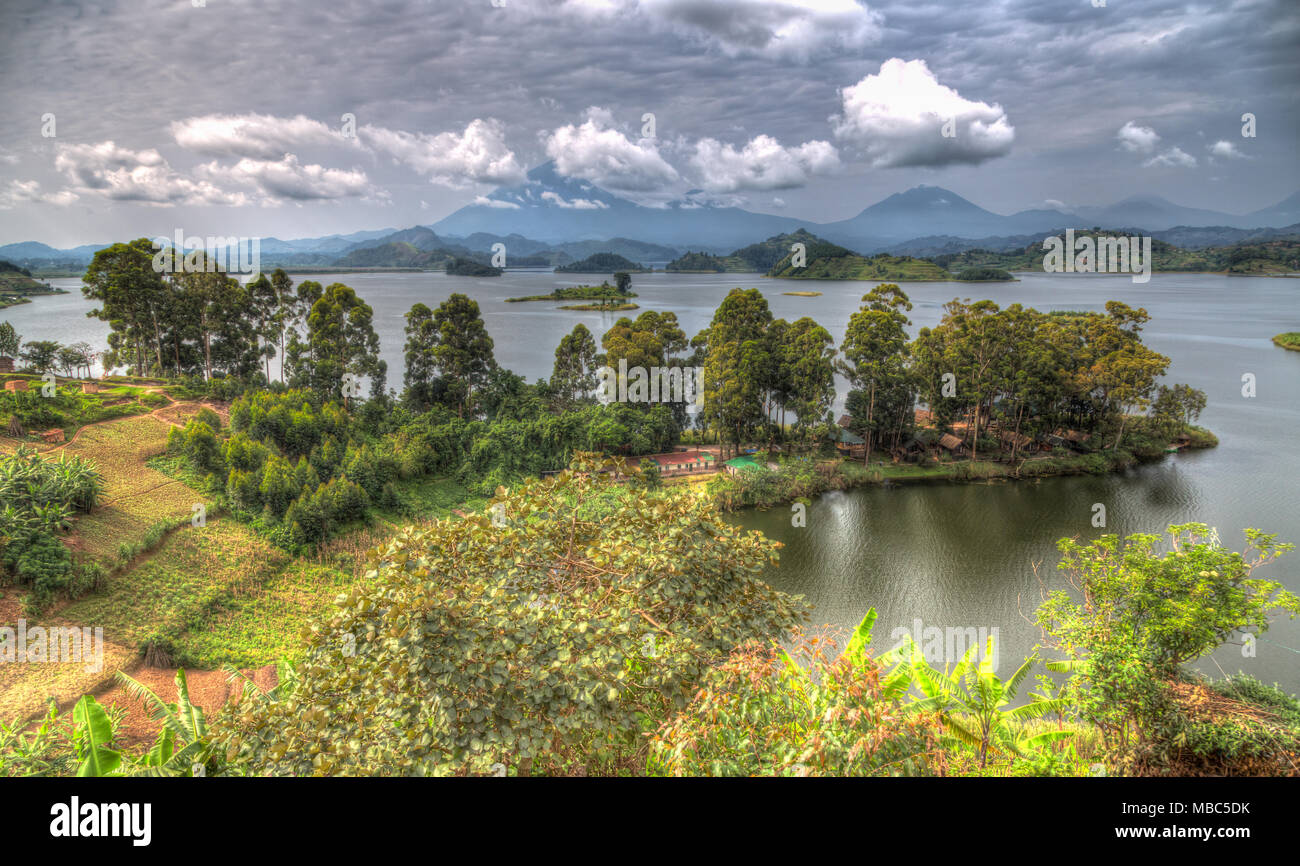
[[952, 445]]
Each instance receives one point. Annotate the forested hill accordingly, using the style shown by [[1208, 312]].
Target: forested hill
[[602, 263], [1252, 257]]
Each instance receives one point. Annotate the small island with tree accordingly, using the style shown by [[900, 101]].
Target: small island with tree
[[602, 297]]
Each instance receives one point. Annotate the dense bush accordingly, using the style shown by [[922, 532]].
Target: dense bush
[[38, 498]]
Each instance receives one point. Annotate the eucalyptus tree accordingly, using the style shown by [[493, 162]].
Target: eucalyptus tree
[[133, 297], [807, 360], [341, 341], [875, 350], [573, 377], [738, 364], [421, 375], [463, 351]]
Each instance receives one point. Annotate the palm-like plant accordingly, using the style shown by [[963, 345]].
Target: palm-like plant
[[182, 743], [972, 701]]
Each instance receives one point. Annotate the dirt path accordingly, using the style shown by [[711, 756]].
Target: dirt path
[[209, 690]]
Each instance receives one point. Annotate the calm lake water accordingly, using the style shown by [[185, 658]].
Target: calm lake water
[[949, 556]]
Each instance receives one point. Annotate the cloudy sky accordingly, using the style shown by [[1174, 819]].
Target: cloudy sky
[[298, 119]]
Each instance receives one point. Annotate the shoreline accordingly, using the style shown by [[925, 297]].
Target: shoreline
[[847, 475]]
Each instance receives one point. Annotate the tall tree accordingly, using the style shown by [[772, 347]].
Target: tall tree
[[738, 363], [807, 361], [341, 340], [875, 350], [464, 350], [421, 363], [133, 297], [9, 340], [574, 374]]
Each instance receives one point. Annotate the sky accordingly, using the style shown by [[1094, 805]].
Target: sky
[[306, 118]]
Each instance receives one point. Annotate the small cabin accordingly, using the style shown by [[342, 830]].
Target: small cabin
[[91, 387], [952, 445], [14, 385], [53, 436], [1013, 441], [1051, 441], [6, 364], [851, 444], [911, 451]]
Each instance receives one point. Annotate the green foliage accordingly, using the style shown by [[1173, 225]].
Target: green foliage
[[87, 742], [1148, 613], [983, 275], [973, 702], [807, 712], [601, 263], [38, 498], [473, 643]]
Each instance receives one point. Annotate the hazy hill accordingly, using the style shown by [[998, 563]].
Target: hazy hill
[[601, 263]]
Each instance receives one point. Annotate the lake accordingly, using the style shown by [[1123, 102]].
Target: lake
[[949, 556]]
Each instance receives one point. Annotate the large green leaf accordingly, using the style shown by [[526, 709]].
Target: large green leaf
[[96, 731]]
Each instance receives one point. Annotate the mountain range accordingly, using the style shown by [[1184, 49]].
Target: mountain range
[[566, 218]]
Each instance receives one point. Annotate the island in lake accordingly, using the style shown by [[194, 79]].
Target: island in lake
[[604, 296], [603, 263], [17, 285]]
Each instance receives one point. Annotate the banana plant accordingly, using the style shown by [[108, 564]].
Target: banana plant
[[895, 684], [182, 743], [92, 739], [972, 701]]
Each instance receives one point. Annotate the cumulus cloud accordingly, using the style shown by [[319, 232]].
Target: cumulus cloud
[[897, 118], [287, 178], [572, 204], [484, 201], [1174, 157], [20, 192], [1137, 139], [762, 164], [1225, 150], [596, 151], [256, 136], [122, 174], [477, 155]]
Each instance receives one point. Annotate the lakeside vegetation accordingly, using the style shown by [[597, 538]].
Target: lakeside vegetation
[[334, 517], [604, 293], [1289, 340], [17, 285], [1281, 256], [575, 673]]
